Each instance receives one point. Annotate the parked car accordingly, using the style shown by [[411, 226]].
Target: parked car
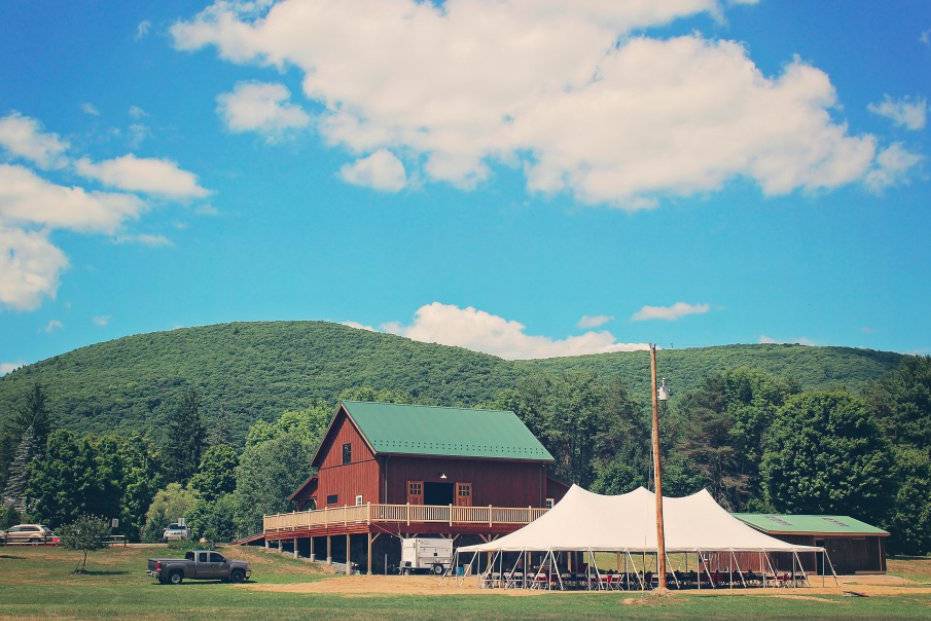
[[199, 565], [26, 533], [176, 532]]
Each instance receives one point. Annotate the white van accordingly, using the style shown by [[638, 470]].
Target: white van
[[176, 532], [426, 554]]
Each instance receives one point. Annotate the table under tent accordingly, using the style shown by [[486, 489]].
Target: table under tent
[[561, 549]]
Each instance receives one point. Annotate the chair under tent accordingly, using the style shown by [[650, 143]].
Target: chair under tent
[[560, 549]]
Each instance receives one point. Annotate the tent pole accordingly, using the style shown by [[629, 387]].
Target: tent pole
[[708, 572], [559, 577], [699, 569], [730, 571], [802, 569], [595, 565], [739, 572], [831, 563], [626, 579], [762, 569], [637, 573], [769, 562], [674, 576]]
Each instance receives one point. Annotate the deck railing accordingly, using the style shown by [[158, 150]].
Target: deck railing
[[403, 514]]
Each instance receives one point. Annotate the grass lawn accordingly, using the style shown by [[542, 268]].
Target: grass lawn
[[38, 583]]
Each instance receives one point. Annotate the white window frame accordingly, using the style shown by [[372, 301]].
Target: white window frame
[[550, 502], [358, 500]]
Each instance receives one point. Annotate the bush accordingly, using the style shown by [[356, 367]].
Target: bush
[[213, 520], [9, 516], [85, 534]]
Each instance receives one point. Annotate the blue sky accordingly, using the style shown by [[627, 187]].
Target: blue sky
[[475, 173]]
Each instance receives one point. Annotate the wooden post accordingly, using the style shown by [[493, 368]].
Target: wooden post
[[295, 547], [311, 547], [368, 558], [329, 550], [489, 516], [368, 512], [450, 514], [348, 556], [657, 479], [408, 513]]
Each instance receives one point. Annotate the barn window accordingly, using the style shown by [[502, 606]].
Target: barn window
[[359, 500], [550, 502], [332, 499], [347, 453], [415, 488]]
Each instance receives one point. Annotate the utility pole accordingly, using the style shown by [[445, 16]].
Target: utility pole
[[658, 479]]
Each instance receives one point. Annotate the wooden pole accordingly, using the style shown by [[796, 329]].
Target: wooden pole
[[348, 556], [368, 558], [657, 479]]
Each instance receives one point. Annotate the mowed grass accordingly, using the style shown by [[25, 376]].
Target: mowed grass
[[39, 583]]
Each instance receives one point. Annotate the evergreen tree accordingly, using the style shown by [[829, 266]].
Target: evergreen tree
[[217, 473], [142, 478], [18, 479], [185, 439], [64, 484], [35, 415]]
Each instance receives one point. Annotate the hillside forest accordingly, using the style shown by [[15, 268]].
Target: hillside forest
[[133, 429]]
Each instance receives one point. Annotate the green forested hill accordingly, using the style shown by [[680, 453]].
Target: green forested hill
[[245, 371]]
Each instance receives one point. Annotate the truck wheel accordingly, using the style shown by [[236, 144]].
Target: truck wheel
[[438, 570], [175, 577], [237, 575]]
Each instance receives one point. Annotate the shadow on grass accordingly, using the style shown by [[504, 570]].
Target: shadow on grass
[[10, 556], [101, 572]]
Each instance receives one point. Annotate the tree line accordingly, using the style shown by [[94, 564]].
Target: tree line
[[755, 440]]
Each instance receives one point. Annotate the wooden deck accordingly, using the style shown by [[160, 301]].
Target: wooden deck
[[360, 518]]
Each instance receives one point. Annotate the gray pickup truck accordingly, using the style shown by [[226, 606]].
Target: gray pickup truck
[[198, 565]]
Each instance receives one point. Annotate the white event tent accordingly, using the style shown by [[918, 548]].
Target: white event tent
[[587, 522]]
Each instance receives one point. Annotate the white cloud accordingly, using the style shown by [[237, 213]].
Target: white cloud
[[206, 210], [53, 326], [481, 331], [136, 112], [142, 30], [925, 37], [145, 239], [381, 170], [89, 108], [101, 321], [768, 340], [892, 167], [149, 175], [593, 321], [670, 313], [138, 132], [358, 326], [8, 367], [546, 86], [261, 107], [29, 268], [27, 198], [906, 112], [23, 137]]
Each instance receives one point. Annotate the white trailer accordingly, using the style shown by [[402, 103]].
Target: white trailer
[[426, 554]]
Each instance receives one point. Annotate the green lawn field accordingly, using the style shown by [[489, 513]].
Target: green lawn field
[[39, 583]]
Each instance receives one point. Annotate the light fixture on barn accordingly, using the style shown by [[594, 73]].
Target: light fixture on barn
[[443, 476]]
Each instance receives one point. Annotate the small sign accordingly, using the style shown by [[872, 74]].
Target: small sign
[[181, 522], [115, 523]]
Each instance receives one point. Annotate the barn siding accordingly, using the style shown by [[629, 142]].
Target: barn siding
[[849, 554], [499, 483], [346, 481]]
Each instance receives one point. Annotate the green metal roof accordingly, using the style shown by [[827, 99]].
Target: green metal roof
[[445, 432], [816, 524]]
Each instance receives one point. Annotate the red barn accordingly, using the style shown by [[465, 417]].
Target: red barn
[[409, 470]]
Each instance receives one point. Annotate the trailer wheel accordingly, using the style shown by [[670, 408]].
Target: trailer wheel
[[438, 570], [176, 577]]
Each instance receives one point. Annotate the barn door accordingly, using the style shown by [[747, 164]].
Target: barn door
[[463, 494], [415, 492]]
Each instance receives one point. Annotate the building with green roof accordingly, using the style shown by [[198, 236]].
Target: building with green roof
[[853, 545]]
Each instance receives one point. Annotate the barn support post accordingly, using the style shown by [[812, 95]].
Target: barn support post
[[348, 555], [312, 557], [329, 550], [266, 542], [368, 555]]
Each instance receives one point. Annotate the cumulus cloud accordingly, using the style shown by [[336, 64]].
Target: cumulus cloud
[[148, 175], [768, 340], [547, 86], [482, 331], [906, 112], [53, 326], [7, 367], [136, 112], [29, 268], [23, 137], [670, 313], [593, 321], [892, 167], [381, 170], [260, 107], [358, 326], [27, 198], [101, 321]]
